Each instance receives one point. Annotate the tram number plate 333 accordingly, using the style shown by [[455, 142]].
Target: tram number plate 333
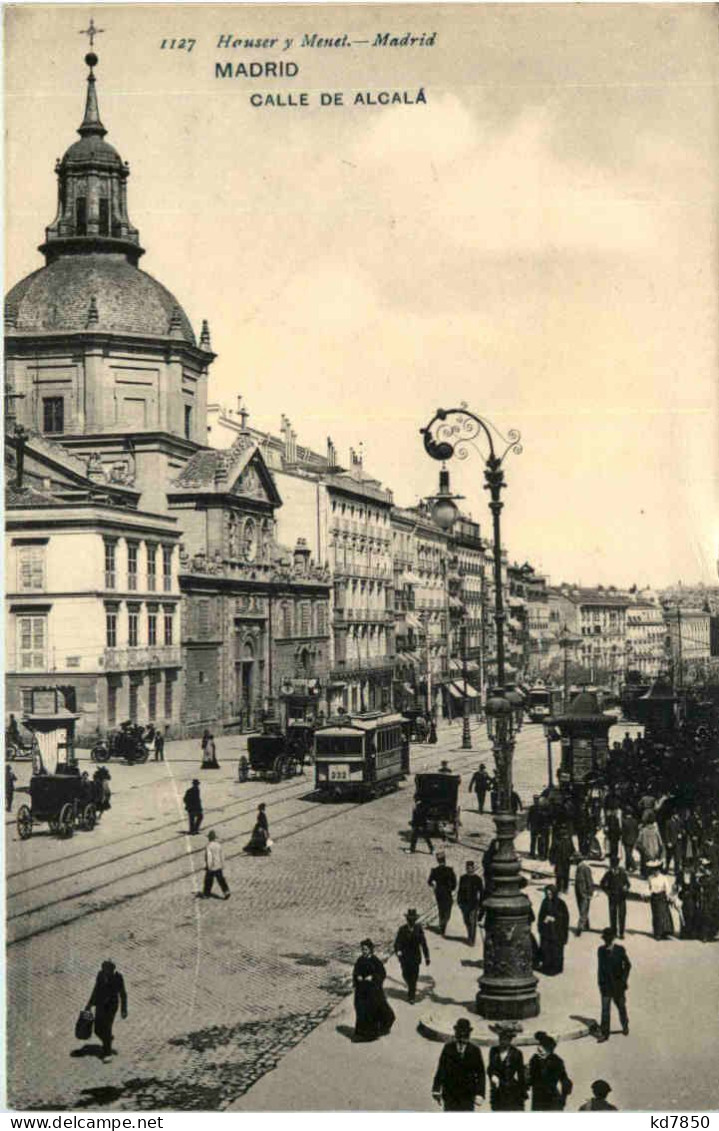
[[338, 773]]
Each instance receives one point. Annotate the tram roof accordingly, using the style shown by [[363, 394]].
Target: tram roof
[[361, 723]]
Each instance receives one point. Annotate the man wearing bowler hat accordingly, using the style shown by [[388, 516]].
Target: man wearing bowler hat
[[409, 946], [459, 1078]]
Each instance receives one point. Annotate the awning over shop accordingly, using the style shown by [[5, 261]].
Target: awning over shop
[[472, 692], [456, 690], [410, 578], [455, 603], [472, 666], [413, 621], [455, 666], [514, 623], [408, 688]]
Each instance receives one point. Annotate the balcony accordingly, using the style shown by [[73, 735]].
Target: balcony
[[150, 656]]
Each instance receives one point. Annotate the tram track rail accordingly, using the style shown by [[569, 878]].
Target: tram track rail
[[184, 858]]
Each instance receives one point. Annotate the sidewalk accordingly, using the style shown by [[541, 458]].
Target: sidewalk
[[666, 1063]]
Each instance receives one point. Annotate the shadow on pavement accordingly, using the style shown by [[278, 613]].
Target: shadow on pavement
[[87, 1050]]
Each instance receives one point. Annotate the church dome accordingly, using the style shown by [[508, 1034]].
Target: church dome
[[92, 150], [95, 291]]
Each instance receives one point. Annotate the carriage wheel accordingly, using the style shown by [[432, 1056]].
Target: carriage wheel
[[89, 817], [243, 769], [278, 768], [100, 753], [24, 822], [52, 824], [291, 767], [142, 755], [66, 821]]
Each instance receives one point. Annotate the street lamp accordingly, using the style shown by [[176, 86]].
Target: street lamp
[[507, 988]]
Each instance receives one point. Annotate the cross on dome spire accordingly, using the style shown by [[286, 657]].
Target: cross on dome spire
[[91, 31]]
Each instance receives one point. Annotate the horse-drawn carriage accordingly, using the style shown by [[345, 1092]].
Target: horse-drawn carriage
[[438, 794], [65, 801]]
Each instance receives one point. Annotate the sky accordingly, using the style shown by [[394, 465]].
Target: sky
[[537, 239]]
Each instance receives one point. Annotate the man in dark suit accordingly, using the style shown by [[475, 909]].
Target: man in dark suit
[[613, 968], [443, 880], [459, 1078], [108, 994], [193, 807], [409, 946], [480, 783], [469, 900], [615, 885], [420, 828]]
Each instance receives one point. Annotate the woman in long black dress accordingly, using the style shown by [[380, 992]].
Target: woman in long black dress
[[373, 1014], [548, 1077], [259, 843], [508, 1085], [553, 924]]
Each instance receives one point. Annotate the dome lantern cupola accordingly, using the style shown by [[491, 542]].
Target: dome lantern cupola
[[92, 192]]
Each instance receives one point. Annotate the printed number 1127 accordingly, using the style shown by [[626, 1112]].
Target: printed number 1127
[[180, 44]]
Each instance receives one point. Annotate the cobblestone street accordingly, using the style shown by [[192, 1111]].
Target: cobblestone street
[[218, 991]]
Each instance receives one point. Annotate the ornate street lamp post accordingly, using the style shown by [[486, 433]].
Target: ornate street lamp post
[[507, 988]]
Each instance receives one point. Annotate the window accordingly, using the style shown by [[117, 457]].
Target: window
[[32, 642], [200, 677], [169, 625], [152, 700], [81, 216], [111, 628], [110, 576], [132, 565], [26, 700], [104, 216], [188, 422], [53, 414], [31, 568], [133, 625], [152, 626], [304, 618], [287, 619], [203, 617], [151, 550], [168, 694], [167, 568]]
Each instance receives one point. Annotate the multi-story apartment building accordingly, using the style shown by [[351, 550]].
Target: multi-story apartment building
[[646, 642], [422, 627], [470, 552], [92, 594]]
